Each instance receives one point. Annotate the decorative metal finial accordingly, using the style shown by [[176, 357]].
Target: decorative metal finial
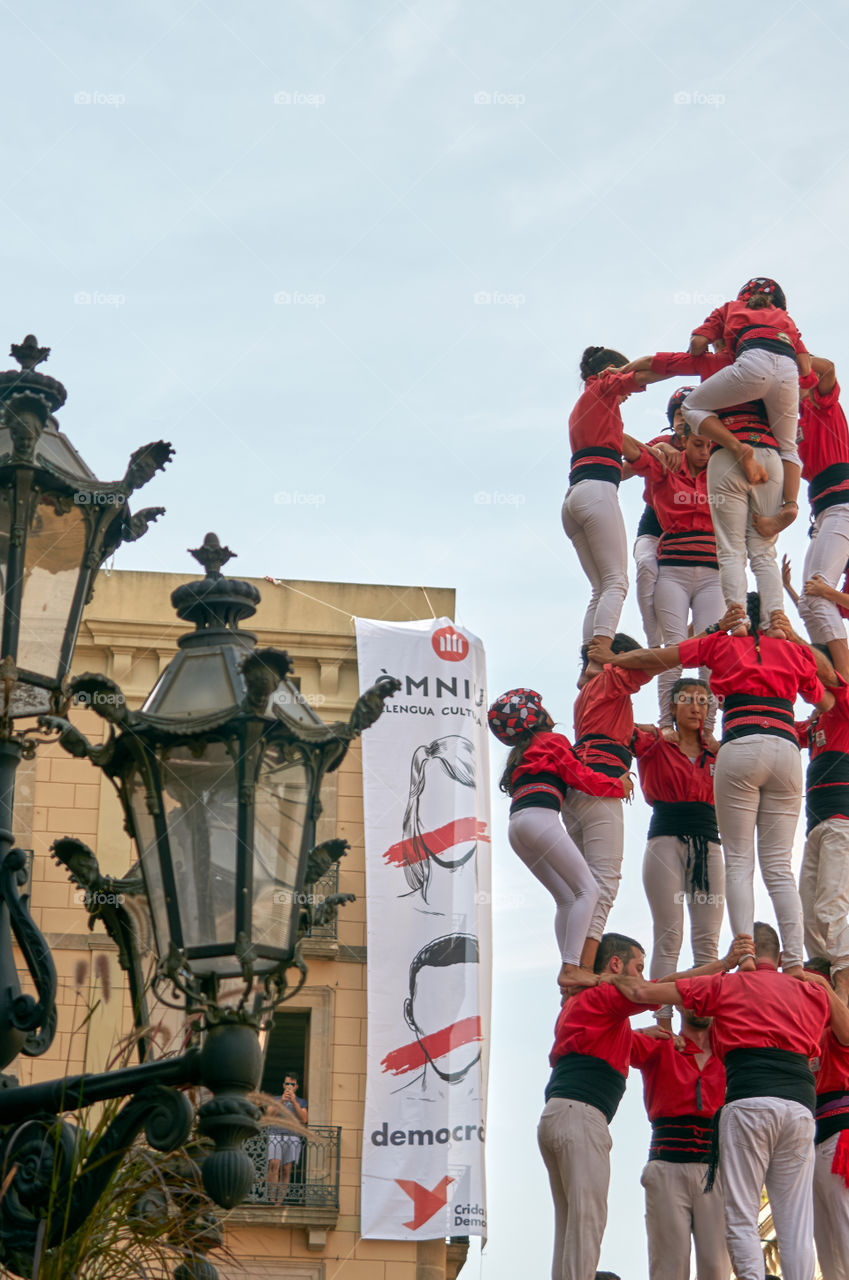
[[211, 555], [28, 353]]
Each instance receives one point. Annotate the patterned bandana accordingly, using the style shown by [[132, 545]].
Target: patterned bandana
[[515, 713], [675, 401]]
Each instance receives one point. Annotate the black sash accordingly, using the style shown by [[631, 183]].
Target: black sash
[[586, 1079], [832, 1115], [827, 787], [694, 822], [746, 713], [681, 1139]]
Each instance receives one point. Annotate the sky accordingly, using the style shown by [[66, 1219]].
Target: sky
[[346, 257]]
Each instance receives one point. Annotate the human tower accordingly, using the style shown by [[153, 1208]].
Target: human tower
[[755, 1089]]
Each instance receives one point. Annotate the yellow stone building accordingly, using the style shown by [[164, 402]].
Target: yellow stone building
[[129, 632]]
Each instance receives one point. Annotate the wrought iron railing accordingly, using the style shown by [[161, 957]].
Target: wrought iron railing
[[321, 889], [314, 1180]]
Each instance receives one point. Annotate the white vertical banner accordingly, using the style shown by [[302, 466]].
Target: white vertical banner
[[428, 892]]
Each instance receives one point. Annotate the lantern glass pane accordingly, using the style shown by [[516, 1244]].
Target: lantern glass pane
[[151, 870], [196, 684], [200, 805], [55, 551], [282, 806]]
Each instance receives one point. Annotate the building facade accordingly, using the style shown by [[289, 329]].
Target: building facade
[[310, 1229]]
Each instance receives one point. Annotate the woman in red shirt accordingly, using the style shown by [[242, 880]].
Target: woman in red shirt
[[591, 515], [540, 770], [758, 776], [683, 860]]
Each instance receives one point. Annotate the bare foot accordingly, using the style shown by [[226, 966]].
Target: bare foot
[[572, 978], [771, 526], [795, 970], [742, 629], [752, 469], [747, 964]]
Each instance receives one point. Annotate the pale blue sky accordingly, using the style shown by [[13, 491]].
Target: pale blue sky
[[604, 172]]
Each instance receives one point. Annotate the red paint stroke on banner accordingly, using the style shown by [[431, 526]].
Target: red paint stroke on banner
[[411, 1056], [425, 1203], [413, 849]]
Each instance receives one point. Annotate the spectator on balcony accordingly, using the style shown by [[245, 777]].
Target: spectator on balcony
[[284, 1147]]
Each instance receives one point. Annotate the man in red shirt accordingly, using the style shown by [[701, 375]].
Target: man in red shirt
[[683, 1088], [590, 1060], [767, 1026]]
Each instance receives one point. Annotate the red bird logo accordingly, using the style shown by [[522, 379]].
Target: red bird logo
[[425, 1203]]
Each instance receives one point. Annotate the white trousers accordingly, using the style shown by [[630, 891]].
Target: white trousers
[[824, 890], [593, 522], [768, 1142], [538, 837], [596, 824], [677, 1209], [679, 591], [758, 790], [665, 881], [827, 554], [754, 375], [733, 501], [645, 558], [831, 1214], [575, 1144]]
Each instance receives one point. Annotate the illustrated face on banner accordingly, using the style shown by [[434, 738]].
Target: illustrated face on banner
[[442, 1005], [439, 821]]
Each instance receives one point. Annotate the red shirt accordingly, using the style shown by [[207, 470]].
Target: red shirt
[[595, 419], [595, 1023], [785, 670], [554, 753], [604, 707], [823, 436], [828, 730], [729, 321], [670, 1077], [680, 500], [831, 1067], [760, 1010], [667, 775]]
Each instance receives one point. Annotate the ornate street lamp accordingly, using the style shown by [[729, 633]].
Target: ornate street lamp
[[58, 523], [219, 776]]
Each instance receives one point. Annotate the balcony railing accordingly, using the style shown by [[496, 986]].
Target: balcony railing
[[314, 1182]]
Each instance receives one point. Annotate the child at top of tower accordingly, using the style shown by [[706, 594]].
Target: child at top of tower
[[769, 358]]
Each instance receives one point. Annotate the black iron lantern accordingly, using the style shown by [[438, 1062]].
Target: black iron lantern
[[58, 523], [219, 776]]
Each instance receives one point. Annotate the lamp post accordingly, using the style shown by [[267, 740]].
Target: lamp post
[[219, 776]]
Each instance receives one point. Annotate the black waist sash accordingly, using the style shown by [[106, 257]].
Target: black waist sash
[[827, 787], [681, 1139], [750, 427], [834, 478], [692, 547], [538, 791], [763, 337], [694, 822], [611, 758], [596, 463], [769, 1073], [747, 713], [649, 523], [832, 1114], [586, 1079]]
